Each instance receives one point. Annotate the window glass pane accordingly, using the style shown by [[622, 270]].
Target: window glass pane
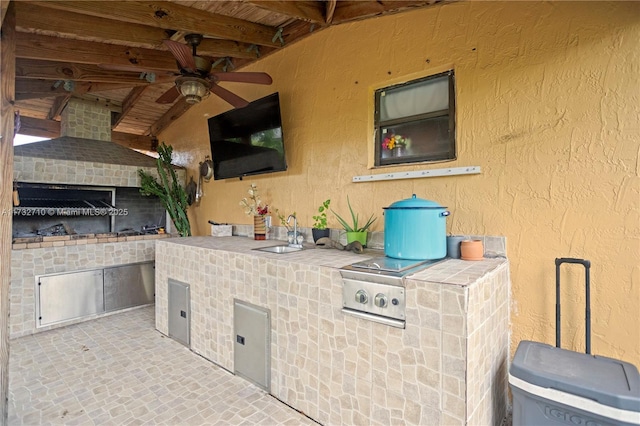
[[421, 140], [415, 98]]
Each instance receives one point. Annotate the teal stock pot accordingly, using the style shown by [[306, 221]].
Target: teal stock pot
[[415, 229]]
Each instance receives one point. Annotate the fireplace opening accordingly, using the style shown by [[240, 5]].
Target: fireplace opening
[[56, 209]]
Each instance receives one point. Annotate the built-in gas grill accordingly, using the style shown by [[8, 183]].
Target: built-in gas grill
[[374, 289]]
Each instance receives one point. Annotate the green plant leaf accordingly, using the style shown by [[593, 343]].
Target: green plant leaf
[[353, 227], [172, 195], [321, 218]]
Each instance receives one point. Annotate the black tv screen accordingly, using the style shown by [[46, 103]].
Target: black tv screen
[[248, 141]]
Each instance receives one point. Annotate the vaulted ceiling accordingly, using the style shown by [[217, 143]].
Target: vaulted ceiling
[[92, 49]]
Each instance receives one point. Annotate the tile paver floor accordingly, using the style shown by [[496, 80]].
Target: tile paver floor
[[118, 370]]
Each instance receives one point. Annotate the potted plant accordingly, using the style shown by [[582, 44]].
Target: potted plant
[[395, 145], [319, 229], [355, 231]]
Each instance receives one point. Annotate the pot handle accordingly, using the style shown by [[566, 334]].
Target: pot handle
[[445, 213]]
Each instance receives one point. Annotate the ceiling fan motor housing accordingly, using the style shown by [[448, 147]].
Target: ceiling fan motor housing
[[203, 65]]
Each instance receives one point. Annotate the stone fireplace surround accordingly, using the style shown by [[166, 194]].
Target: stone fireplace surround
[[47, 255], [83, 156]]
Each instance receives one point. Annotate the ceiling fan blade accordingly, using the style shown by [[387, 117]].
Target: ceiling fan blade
[[169, 96], [228, 96], [182, 53], [242, 77]]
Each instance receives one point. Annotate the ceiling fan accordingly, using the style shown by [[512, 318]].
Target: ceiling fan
[[195, 79]]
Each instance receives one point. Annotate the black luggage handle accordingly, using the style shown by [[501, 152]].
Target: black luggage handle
[[587, 312]]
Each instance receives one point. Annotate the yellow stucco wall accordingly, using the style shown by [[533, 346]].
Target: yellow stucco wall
[[548, 100]]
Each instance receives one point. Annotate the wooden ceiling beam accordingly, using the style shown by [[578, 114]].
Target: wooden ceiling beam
[[128, 140], [330, 10], [51, 70], [300, 30], [30, 16], [215, 47], [58, 105], [310, 11], [102, 101], [36, 46], [291, 33], [51, 129], [4, 6], [39, 89], [355, 10], [39, 127], [179, 108], [128, 103], [171, 16]]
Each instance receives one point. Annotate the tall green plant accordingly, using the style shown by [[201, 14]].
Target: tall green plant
[[354, 226], [168, 190]]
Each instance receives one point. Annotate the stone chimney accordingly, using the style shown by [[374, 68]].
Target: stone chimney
[[85, 119]]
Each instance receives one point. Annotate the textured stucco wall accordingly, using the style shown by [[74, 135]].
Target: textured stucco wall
[[548, 98]]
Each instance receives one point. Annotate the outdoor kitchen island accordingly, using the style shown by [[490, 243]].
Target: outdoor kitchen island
[[447, 366]]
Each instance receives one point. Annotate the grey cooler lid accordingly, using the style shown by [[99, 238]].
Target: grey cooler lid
[[608, 381]]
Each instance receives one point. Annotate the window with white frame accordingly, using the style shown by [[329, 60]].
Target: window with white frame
[[415, 121]]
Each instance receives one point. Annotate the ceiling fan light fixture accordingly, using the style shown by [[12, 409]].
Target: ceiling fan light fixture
[[194, 89]]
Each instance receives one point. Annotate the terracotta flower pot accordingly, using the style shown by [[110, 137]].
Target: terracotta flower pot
[[471, 250]]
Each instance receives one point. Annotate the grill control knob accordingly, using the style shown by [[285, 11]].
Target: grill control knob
[[362, 297], [380, 300]]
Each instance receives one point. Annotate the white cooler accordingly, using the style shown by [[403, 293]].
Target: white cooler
[[553, 386]]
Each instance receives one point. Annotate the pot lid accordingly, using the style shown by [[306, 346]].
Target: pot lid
[[415, 203], [206, 169]]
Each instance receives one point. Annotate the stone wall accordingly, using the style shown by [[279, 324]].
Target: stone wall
[[71, 172], [84, 119], [28, 263], [339, 369]]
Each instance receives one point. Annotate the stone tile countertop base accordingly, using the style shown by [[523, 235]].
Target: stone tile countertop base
[[447, 366]]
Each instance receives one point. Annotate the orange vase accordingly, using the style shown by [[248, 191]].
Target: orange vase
[[471, 250]]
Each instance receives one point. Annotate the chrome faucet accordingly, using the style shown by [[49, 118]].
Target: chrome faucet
[[295, 231]]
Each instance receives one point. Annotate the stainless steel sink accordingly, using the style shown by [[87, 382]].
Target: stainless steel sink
[[279, 249]]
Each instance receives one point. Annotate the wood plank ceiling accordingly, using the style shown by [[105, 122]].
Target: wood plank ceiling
[[70, 49]]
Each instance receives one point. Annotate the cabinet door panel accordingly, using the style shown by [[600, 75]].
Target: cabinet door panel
[[128, 285], [67, 296], [252, 346]]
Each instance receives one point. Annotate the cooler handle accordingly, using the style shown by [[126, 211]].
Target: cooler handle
[[587, 312]]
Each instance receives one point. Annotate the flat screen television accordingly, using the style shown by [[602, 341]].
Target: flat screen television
[[248, 141]]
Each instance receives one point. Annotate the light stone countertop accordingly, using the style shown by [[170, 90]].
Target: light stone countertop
[[449, 271]]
